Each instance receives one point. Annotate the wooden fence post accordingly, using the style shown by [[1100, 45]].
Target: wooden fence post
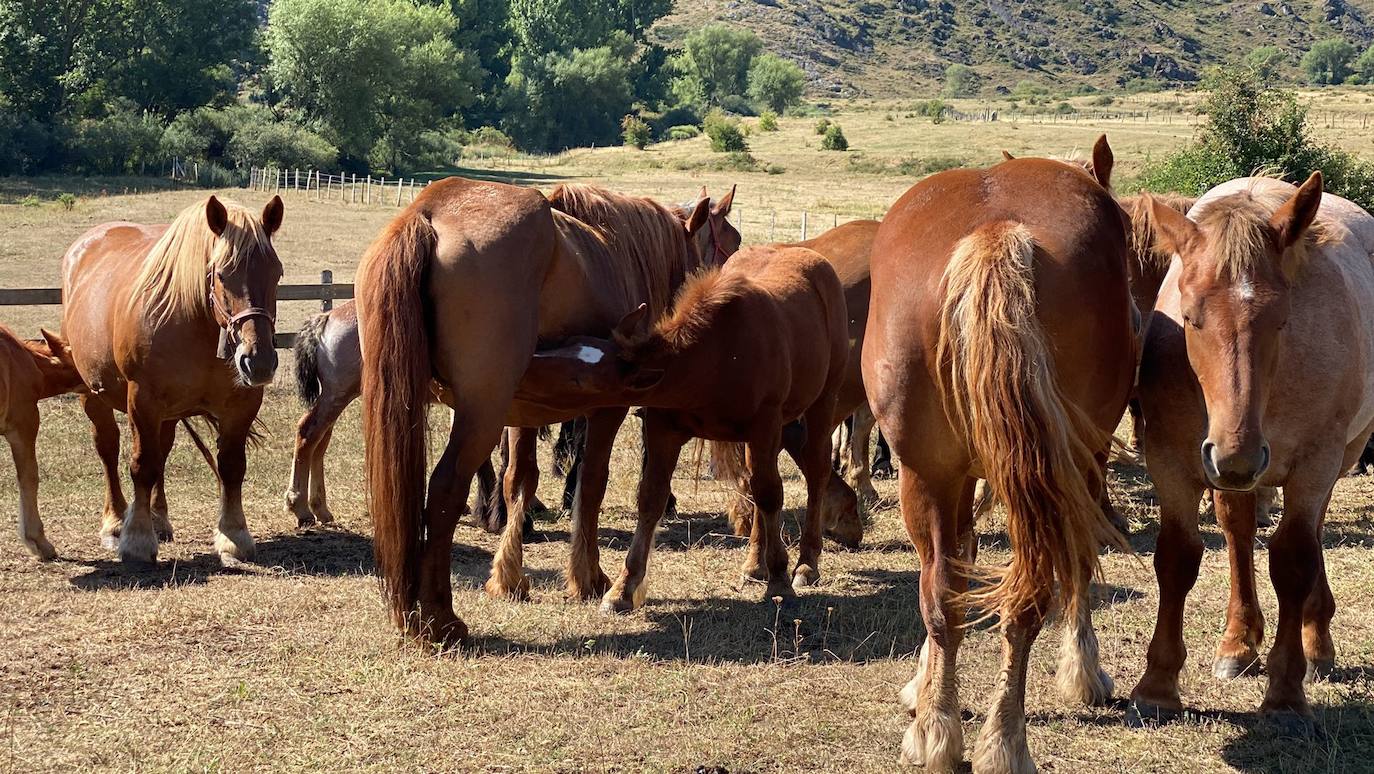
[[327, 292], [803, 230], [399, 183]]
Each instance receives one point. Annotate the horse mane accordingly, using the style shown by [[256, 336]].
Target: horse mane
[[1137, 208], [1238, 225], [698, 301], [171, 282], [644, 239]]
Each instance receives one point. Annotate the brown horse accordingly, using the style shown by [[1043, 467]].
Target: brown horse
[[1000, 346], [746, 350], [459, 289], [167, 322], [847, 248], [1257, 372], [29, 372]]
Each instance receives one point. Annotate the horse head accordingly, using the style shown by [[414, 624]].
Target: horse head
[[241, 284]]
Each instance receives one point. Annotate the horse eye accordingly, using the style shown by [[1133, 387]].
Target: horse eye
[[1190, 322]]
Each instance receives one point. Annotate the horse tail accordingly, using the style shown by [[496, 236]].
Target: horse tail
[[727, 461], [307, 350], [1036, 447], [396, 375]]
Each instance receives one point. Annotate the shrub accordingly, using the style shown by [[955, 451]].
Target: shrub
[[490, 136], [203, 133], [822, 125], [212, 175], [684, 132], [262, 143], [439, 148], [776, 82], [933, 109], [1266, 61], [121, 143], [635, 130], [1328, 61], [66, 201], [960, 81], [1064, 108], [768, 122], [1103, 100], [725, 133], [31, 201], [26, 144], [834, 139], [740, 106], [678, 115]]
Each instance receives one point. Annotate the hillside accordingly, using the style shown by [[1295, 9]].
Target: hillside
[[874, 48]]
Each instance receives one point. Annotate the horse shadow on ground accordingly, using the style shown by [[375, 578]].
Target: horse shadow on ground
[[1340, 733]]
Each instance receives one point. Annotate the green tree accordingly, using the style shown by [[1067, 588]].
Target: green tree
[[1328, 61], [775, 82], [1266, 61], [373, 73], [1364, 66], [556, 100], [960, 81], [834, 139], [46, 54], [714, 63], [635, 130]]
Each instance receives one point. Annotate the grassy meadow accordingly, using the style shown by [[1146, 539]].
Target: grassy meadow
[[291, 663]]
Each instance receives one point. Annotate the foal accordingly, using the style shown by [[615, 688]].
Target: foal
[[745, 350], [30, 372]]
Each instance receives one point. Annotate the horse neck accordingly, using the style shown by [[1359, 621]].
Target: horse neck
[[58, 377]]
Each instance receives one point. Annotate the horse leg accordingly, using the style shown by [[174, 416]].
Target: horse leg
[[671, 509], [813, 457], [882, 458], [1295, 562], [585, 578], [767, 558], [232, 540], [856, 472], [105, 432], [312, 438], [741, 510], [932, 512], [1080, 677], [137, 539], [508, 579], [1177, 559], [491, 505], [655, 485], [319, 497], [23, 438], [1238, 651], [576, 434], [162, 521], [1001, 745]]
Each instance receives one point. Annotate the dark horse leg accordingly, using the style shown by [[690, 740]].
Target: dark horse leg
[[664, 447], [585, 577], [882, 459]]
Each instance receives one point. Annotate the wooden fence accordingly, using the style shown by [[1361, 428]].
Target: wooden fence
[[326, 292]]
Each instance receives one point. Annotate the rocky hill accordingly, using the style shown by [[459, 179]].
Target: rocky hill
[[901, 47]]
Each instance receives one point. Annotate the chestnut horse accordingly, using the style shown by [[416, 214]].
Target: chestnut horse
[[1257, 372], [167, 322], [1000, 346], [29, 372], [459, 289], [747, 349]]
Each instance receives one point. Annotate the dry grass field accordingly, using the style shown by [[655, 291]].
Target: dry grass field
[[291, 663]]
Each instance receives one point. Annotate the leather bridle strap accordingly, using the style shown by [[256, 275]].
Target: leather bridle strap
[[230, 325], [718, 252]]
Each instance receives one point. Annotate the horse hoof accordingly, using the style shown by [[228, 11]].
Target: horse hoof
[[1295, 724], [1231, 667], [323, 515], [110, 542], [165, 536], [1140, 714], [41, 549], [617, 605], [1320, 669], [518, 591], [586, 591], [780, 588], [805, 575], [305, 521], [235, 548]]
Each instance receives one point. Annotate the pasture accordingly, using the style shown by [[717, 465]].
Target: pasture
[[292, 663]]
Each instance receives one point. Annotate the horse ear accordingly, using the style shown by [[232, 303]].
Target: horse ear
[[1291, 220], [700, 214], [1103, 161], [271, 215], [1173, 232], [56, 345], [630, 324], [722, 207], [1007, 156], [704, 193], [216, 216]]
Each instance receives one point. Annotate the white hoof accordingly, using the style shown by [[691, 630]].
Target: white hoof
[[41, 549], [137, 546], [235, 547], [939, 746]]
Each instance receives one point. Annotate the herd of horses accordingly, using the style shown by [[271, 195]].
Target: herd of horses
[[996, 324]]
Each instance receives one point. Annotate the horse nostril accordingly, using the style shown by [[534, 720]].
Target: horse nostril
[[1209, 452], [1264, 457]]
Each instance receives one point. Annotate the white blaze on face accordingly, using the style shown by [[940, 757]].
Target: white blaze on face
[[589, 355], [1245, 288]]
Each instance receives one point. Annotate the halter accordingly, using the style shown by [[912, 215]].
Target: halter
[[718, 252], [230, 334]]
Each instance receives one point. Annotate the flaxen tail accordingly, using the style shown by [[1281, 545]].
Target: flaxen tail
[[307, 351], [395, 394], [1036, 447]]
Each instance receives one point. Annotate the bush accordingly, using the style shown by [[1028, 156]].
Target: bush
[[437, 149], [202, 134], [776, 82], [684, 132], [1064, 108], [1328, 61], [834, 139], [1251, 125], [635, 130], [725, 133], [768, 122], [26, 144], [734, 103], [31, 201], [933, 109], [264, 143], [66, 201], [212, 175], [121, 143], [491, 137], [1103, 100], [960, 81], [1266, 61], [822, 125], [673, 117]]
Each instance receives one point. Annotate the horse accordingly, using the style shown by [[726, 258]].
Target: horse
[[1000, 346], [459, 289], [328, 373], [746, 349], [846, 247], [30, 371], [1244, 385], [167, 322]]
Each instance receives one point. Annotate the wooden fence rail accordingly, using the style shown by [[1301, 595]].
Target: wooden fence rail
[[326, 292]]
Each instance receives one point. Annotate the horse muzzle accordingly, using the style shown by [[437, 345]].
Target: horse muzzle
[[1236, 470], [256, 366]]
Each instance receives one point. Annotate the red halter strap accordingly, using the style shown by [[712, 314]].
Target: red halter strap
[[718, 252]]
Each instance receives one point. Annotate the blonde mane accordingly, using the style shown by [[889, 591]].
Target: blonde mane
[[1238, 227], [172, 281], [1142, 226], [644, 239]]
